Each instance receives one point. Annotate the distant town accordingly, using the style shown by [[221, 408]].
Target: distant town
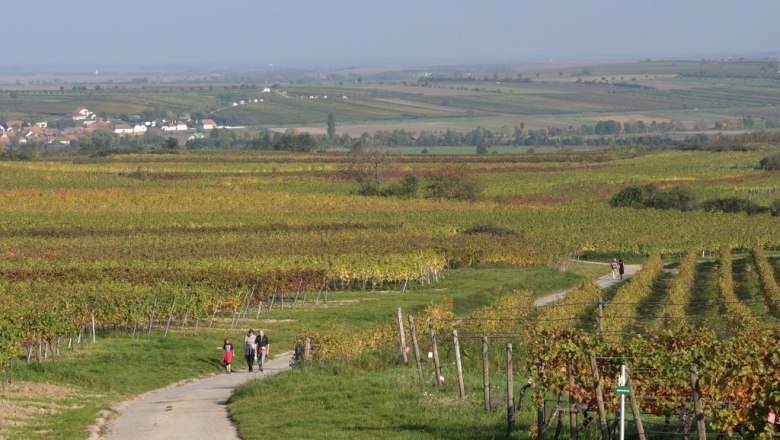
[[86, 122]]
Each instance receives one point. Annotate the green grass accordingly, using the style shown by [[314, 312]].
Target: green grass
[[339, 401], [111, 370], [588, 270]]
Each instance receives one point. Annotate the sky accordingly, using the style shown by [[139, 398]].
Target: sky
[[338, 33]]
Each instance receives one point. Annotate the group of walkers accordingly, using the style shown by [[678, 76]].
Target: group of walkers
[[256, 349], [617, 268]]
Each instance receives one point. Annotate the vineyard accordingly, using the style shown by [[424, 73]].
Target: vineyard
[[154, 244], [571, 352]]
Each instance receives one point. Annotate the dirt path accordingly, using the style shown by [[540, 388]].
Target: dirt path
[[603, 282], [193, 410]]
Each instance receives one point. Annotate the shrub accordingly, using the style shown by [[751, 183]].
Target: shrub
[[455, 182], [680, 199], [649, 196], [630, 197], [770, 163], [733, 205], [490, 229], [406, 187], [774, 208]]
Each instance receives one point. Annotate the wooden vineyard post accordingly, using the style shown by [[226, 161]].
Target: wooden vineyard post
[[93, 327], [699, 415], [151, 318], [402, 336], [170, 316], [236, 310], [458, 365], [510, 392], [640, 427], [439, 378], [599, 397], [416, 348], [601, 316], [485, 373], [573, 433]]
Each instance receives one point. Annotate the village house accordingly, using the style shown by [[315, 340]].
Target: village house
[[82, 114], [13, 125], [176, 126], [207, 124], [32, 132], [122, 128], [50, 134], [97, 125]]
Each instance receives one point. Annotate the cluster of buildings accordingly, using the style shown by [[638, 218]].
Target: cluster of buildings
[[85, 122]]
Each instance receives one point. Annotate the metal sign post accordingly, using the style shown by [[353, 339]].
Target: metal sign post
[[623, 403]]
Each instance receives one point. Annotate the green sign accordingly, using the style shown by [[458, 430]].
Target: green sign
[[623, 390]]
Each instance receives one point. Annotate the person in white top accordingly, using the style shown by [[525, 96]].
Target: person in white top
[[249, 348]]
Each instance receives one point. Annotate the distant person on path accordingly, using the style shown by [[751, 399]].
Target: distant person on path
[[262, 349], [249, 348], [614, 265], [227, 358], [621, 268]]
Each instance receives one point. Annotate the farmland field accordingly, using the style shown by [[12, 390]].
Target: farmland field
[[149, 243], [698, 93]]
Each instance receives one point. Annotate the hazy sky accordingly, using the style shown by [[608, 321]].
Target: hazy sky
[[99, 33]]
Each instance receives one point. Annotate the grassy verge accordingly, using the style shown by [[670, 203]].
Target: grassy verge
[[97, 375], [340, 401]]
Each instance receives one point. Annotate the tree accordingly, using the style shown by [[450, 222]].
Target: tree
[[680, 199], [608, 127], [369, 167], [331, 126], [629, 197], [171, 143], [733, 205], [104, 139], [770, 163], [406, 187], [774, 208], [455, 182]]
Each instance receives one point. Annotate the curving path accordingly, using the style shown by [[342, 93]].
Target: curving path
[[603, 282], [193, 410], [197, 409]]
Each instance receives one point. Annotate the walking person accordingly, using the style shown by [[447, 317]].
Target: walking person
[[249, 348], [227, 357], [614, 265], [621, 268], [263, 348]]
